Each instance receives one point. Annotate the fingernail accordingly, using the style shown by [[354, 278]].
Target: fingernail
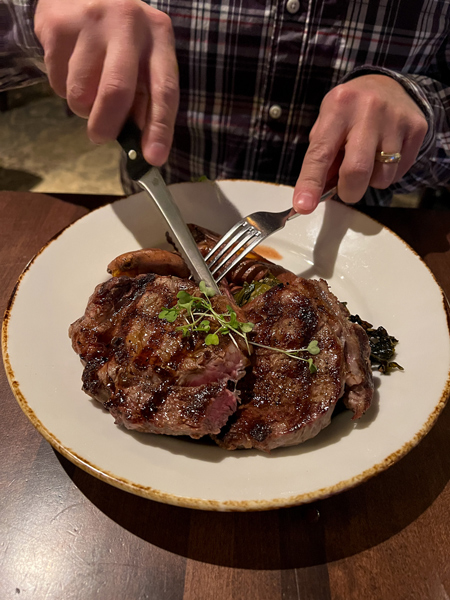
[[304, 202], [158, 154]]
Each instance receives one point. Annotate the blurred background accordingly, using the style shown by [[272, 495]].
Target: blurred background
[[44, 148]]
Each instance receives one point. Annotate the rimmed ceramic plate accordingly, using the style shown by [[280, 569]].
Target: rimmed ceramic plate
[[367, 266]]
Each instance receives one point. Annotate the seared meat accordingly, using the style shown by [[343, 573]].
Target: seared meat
[[153, 379], [283, 404], [141, 368]]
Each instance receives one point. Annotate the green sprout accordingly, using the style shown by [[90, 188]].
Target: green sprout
[[199, 314]]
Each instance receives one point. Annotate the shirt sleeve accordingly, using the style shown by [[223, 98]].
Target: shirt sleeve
[[21, 54], [431, 91]]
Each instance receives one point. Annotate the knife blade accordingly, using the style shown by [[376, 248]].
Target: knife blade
[[151, 180]]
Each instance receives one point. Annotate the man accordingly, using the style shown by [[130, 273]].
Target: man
[[290, 92]]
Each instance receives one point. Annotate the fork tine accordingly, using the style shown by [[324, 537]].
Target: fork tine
[[225, 238], [234, 243], [246, 250], [244, 240]]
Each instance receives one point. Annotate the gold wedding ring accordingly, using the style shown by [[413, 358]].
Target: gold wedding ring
[[387, 157]]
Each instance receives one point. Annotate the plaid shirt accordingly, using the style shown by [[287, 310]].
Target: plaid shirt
[[254, 72]]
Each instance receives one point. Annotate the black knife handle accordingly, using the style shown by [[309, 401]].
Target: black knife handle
[[130, 140]]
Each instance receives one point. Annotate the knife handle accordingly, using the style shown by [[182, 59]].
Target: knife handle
[[130, 140]]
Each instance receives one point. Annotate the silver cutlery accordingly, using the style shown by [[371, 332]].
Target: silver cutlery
[[150, 179], [243, 237]]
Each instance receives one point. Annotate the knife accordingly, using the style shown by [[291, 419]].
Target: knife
[[150, 179]]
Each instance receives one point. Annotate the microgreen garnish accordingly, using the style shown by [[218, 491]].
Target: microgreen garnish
[[312, 349], [200, 315], [169, 314]]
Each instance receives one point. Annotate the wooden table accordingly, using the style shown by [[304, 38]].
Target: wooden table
[[66, 535]]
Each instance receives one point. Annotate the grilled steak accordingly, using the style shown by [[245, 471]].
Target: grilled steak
[[153, 379], [283, 404], [143, 371]]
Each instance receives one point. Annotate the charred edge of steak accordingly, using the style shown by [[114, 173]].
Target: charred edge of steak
[[141, 368], [193, 411], [358, 375]]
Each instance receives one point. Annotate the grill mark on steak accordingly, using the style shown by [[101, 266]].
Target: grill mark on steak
[[143, 371]]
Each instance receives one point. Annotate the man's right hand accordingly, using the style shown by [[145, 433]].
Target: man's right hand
[[110, 59]]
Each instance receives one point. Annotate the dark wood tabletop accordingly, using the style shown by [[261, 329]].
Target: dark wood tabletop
[[67, 535]]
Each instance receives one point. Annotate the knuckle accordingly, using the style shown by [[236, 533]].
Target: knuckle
[[161, 132], [166, 93], [79, 97], [94, 11], [419, 127], [124, 11], [311, 180], [359, 171], [374, 103], [340, 96], [50, 29], [162, 20], [57, 23], [115, 90], [321, 154], [126, 7]]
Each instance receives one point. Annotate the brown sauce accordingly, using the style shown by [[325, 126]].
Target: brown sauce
[[268, 252]]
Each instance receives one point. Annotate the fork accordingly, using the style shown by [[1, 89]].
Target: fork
[[246, 234]]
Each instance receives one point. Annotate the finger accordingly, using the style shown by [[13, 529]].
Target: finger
[[85, 69], [116, 90], [141, 102], [412, 142], [164, 98], [333, 171], [408, 141], [384, 174], [322, 154], [358, 164], [409, 154], [57, 53]]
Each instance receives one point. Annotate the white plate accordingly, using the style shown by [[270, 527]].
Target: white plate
[[367, 266]]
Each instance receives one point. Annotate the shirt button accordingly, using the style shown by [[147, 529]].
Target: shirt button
[[275, 111], [292, 6]]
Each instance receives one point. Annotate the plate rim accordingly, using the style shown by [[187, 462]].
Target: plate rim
[[202, 503]]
